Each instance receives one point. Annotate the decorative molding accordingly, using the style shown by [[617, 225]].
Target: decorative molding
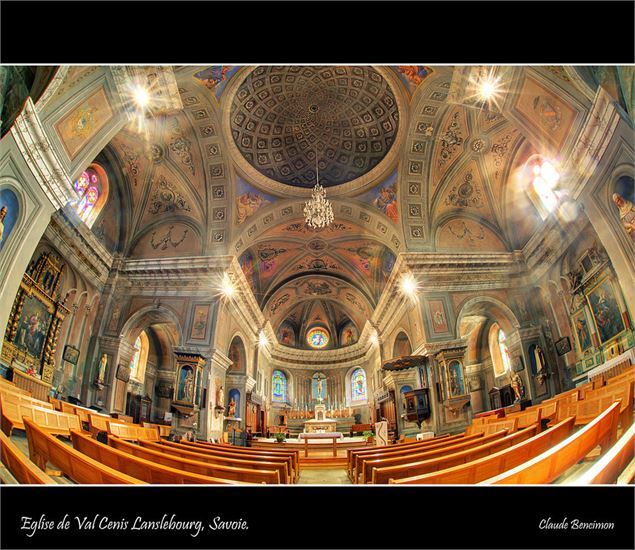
[[52, 88], [41, 157]]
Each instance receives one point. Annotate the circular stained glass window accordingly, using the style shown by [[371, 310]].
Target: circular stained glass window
[[317, 338]]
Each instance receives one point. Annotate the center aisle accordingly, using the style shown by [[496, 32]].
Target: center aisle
[[324, 476]]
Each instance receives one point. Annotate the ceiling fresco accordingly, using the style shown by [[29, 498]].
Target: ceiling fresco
[[408, 162]]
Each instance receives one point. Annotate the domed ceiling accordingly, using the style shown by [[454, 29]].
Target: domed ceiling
[[281, 117]]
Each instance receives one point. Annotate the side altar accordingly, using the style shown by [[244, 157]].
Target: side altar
[[320, 424]]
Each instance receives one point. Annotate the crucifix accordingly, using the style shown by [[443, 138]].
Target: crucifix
[[319, 388]]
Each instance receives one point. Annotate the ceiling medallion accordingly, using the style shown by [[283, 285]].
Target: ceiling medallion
[[318, 212]]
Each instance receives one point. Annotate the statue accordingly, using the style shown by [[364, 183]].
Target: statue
[[231, 412], [517, 386], [626, 211], [539, 356], [188, 388], [219, 393], [101, 370]]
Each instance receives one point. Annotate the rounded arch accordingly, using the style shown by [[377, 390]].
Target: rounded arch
[[148, 316], [237, 353], [402, 344], [15, 198], [490, 307]]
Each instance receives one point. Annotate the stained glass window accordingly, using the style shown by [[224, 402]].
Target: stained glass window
[[358, 385], [139, 357], [504, 351], [278, 387], [317, 338], [91, 189]]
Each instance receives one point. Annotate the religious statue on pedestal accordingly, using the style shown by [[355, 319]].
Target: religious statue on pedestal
[[101, 370], [231, 410], [518, 387]]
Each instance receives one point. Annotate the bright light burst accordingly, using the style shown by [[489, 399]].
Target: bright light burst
[[408, 285], [486, 89]]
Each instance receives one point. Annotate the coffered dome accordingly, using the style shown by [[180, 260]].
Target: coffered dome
[[281, 117]]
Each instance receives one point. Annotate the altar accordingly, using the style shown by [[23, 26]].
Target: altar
[[320, 423], [318, 426]]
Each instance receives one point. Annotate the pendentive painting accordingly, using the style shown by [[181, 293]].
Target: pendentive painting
[[606, 311], [199, 322], [9, 212]]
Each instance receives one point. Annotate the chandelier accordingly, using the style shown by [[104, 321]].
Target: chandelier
[[318, 212]]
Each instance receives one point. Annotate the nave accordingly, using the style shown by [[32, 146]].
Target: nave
[[584, 436]]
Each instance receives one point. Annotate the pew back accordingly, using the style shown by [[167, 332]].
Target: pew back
[[609, 468], [147, 471], [44, 448], [132, 432], [484, 467], [556, 460], [283, 469], [214, 470], [20, 466], [456, 459], [51, 421]]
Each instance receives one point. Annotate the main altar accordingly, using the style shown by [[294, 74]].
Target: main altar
[[320, 424]]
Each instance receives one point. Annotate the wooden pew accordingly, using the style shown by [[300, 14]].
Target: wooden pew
[[367, 466], [588, 409], [526, 418], [552, 463], [98, 423], [57, 403], [24, 399], [286, 459], [132, 432], [38, 388], [511, 425], [281, 467], [145, 470], [244, 451], [479, 468], [53, 422], [164, 430], [6, 385], [609, 467], [214, 470], [398, 451], [352, 454], [385, 475], [548, 411], [20, 465], [44, 448]]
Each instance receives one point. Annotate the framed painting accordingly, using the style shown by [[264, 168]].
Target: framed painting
[[123, 373], [438, 316], [606, 311], [71, 354], [33, 327], [563, 345]]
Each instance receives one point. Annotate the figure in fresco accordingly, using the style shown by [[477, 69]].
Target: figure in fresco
[[212, 76], [626, 211], [348, 338], [247, 204], [584, 338], [387, 202], [414, 73]]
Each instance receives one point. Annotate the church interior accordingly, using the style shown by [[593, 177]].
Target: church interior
[[317, 274]]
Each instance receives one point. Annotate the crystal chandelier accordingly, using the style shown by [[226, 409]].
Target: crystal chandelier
[[318, 212]]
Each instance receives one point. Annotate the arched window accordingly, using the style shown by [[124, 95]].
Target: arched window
[[358, 385], [543, 187], [140, 357], [92, 191], [278, 387], [501, 359]]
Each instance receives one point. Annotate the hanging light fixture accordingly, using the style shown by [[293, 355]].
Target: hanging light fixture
[[318, 212]]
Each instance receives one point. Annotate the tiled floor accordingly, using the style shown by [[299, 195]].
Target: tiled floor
[[323, 476]]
